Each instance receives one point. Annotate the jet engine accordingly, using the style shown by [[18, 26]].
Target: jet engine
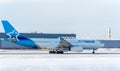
[[76, 49]]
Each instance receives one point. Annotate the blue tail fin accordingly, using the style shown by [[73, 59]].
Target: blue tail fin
[[9, 29], [14, 36]]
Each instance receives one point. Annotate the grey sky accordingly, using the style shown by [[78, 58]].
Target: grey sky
[[89, 19]]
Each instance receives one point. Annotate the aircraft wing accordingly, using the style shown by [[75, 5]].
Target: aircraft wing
[[64, 44]]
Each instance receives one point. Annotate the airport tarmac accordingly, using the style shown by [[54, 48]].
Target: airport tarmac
[[42, 61], [27, 51]]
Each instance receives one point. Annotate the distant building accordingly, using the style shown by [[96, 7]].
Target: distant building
[[43, 35], [111, 43]]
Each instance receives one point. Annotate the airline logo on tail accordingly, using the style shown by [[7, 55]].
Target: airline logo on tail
[[11, 33], [14, 36]]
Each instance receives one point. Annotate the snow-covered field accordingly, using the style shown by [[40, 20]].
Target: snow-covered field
[[59, 62]]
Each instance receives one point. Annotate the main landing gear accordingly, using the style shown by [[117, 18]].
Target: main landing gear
[[56, 52]]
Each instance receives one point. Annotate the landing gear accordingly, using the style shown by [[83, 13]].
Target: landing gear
[[52, 52], [56, 52], [93, 51], [59, 52]]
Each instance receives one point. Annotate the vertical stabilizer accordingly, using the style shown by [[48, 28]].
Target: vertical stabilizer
[[14, 36], [9, 29]]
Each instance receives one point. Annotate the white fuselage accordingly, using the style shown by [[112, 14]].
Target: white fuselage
[[53, 43]]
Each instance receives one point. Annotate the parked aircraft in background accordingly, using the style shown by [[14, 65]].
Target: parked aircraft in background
[[55, 45]]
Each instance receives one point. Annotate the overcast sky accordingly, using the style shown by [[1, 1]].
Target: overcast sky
[[89, 19]]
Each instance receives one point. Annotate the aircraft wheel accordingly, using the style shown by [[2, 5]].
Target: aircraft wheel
[[93, 52], [57, 52], [53, 52], [60, 52], [50, 52]]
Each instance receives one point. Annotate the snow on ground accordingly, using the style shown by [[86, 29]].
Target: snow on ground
[[60, 62]]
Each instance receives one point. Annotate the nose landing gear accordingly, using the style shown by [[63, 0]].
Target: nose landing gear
[[93, 51]]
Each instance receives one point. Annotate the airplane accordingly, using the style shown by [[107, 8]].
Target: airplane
[[55, 46]]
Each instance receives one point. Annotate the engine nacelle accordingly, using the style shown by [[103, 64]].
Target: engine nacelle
[[79, 49]]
